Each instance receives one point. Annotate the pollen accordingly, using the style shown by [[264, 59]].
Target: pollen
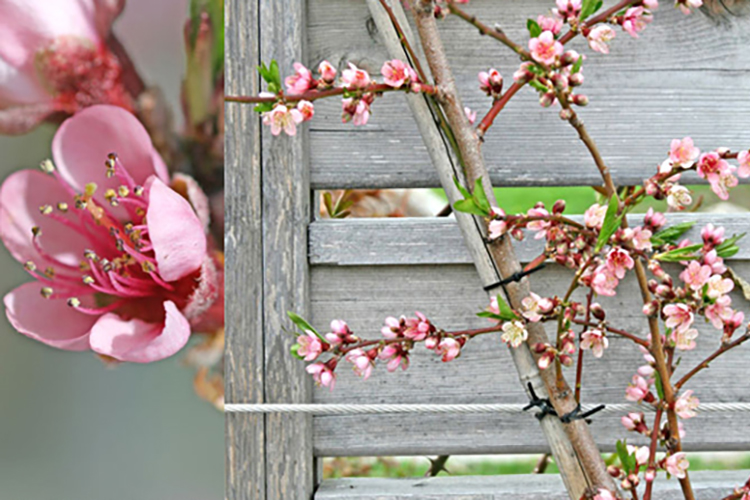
[[74, 302], [30, 266], [47, 292], [62, 206], [111, 196], [50, 272], [36, 231], [45, 209], [90, 255], [88, 280], [138, 190], [123, 191], [148, 267]]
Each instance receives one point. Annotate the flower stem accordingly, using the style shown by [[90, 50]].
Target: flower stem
[[314, 95], [486, 30]]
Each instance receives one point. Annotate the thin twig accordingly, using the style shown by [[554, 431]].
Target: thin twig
[[704, 364], [541, 465], [486, 30], [313, 95], [437, 465], [496, 108]]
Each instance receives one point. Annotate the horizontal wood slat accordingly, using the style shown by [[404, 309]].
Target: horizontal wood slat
[[451, 295], [708, 485], [397, 241], [686, 75]]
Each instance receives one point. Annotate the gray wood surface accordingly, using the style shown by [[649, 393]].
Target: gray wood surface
[[708, 485], [451, 295], [425, 241], [243, 357], [290, 467], [686, 75]]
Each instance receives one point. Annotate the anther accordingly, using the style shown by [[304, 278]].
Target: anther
[[50, 272], [148, 267], [47, 292], [36, 231], [138, 190], [90, 254], [128, 227], [123, 191], [106, 265], [88, 280], [45, 209], [47, 166], [74, 302], [80, 203], [111, 196], [62, 206], [29, 266]]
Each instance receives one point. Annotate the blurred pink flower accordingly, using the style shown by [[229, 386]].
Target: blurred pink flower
[[54, 59], [545, 49], [123, 264]]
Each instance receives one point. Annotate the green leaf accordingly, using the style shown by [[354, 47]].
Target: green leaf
[[480, 197], [294, 352], [679, 254], [659, 386], [534, 29], [490, 315], [264, 72], [464, 192], [728, 252], [539, 86], [535, 69], [469, 207], [263, 107], [506, 313], [328, 202], [589, 7], [577, 65], [728, 247], [672, 233], [611, 223], [275, 76], [303, 325], [623, 455], [273, 88]]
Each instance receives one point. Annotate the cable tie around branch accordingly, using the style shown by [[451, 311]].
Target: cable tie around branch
[[543, 404], [515, 277], [577, 415]]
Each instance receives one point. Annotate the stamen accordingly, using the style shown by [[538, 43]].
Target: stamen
[[45, 209], [74, 302], [138, 190], [47, 292], [98, 311], [111, 196], [30, 266], [123, 191], [62, 206], [120, 171], [50, 272], [47, 166]]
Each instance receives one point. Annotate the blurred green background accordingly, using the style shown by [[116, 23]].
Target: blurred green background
[[72, 429]]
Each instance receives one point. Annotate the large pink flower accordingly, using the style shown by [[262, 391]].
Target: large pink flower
[[54, 59], [121, 259]]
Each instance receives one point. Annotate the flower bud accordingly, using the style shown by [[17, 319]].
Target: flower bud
[[614, 471], [547, 99], [633, 478], [566, 360], [598, 311], [580, 100], [569, 57], [539, 347], [651, 309], [560, 81], [566, 114], [576, 79]]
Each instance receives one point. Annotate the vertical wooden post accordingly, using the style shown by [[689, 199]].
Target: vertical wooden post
[[290, 468], [245, 453]]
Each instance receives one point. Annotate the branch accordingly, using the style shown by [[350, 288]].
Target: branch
[[599, 18], [313, 95], [497, 106], [486, 30], [621, 333], [704, 364]]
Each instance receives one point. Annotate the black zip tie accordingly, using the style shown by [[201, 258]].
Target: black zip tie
[[543, 404], [515, 277], [577, 415]]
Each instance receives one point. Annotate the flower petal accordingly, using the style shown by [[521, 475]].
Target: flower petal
[[176, 233], [205, 307], [82, 143], [21, 195], [137, 341], [50, 321], [191, 191]]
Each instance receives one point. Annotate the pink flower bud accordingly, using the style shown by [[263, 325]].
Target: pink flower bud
[[327, 73], [547, 99], [579, 100], [576, 79]]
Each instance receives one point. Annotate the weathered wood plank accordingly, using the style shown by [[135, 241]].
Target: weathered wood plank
[[450, 296], [425, 241], [708, 485], [245, 438], [686, 75], [290, 467]]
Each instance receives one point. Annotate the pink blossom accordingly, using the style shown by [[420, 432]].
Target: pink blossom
[[514, 333], [54, 58], [638, 390], [686, 6], [393, 327], [679, 316], [470, 115], [535, 306], [677, 465], [419, 328], [491, 82], [540, 226], [619, 261], [718, 286], [683, 152], [743, 157], [327, 72], [450, 348], [553, 24], [641, 453], [651, 4], [655, 220], [678, 197], [340, 333], [545, 49], [594, 340], [717, 263], [712, 164], [307, 110], [605, 495], [635, 20], [397, 73], [497, 229], [568, 10], [323, 374], [720, 183], [127, 268], [310, 346], [523, 74], [685, 340], [282, 118], [712, 236], [356, 110], [686, 405], [361, 361], [642, 239], [396, 356], [720, 311], [599, 38], [635, 422], [301, 81], [355, 78], [695, 275], [594, 216], [604, 281]]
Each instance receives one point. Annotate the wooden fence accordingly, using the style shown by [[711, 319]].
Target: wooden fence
[[689, 75]]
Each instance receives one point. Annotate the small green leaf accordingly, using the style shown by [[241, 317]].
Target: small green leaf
[[539, 86], [328, 202], [506, 313], [623, 455], [294, 352], [469, 207], [480, 197], [534, 29], [577, 65], [535, 69], [274, 88], [274, 70], [263, 107], [588, 8], [611, 223], [464, 192], [264, 73], [659, 386], [490, 315], [679, 254], [672, 233], [728, 247], [303, 325]]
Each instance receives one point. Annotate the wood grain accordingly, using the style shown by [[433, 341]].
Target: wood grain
[[684, 76], [245, 437], [290, 468]]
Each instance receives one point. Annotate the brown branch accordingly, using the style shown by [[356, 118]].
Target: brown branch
[[652, 450], [599, 18], [404, 41], [313, 95], [486, 30], [616, 331], [437, 466], [497, 107], [541, 465], [704, 364], [579, 364]]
